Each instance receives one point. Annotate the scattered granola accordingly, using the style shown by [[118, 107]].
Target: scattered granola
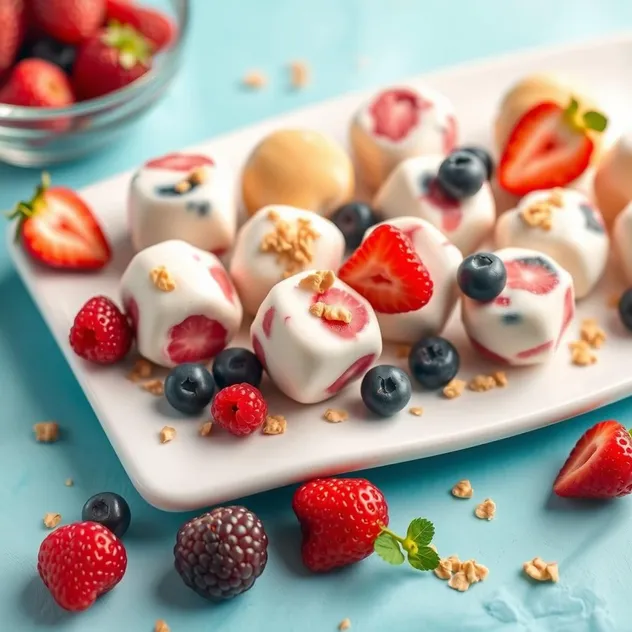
[[482, 383], [592, 333], [167, 434], [255, 80], [162, 279], [318, 281], [542, 571], [581, 353], [51, 520], [335, 415], [330, 312], [455, 563], [206, 429], [161, 626], [486, 510], [345, 624], [461, 575], [454, 388], [141, 370], [539, 214], [500, 377], [155, 387], [299, 74], [69, 482], [474, 572], [444, 570], [463, 489], [274, 425], [459, 582], [403, 351], [417, 411], [292, 243], [46, 431]]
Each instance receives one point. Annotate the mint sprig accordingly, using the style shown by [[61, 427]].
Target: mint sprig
[[415, 546]]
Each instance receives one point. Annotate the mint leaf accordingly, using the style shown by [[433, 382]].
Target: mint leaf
[[595, 121], [421, 531], [426, 559], [387, 547]]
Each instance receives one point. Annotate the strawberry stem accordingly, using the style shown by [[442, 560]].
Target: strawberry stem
[[24, 210], [133, 48], [416, 546]]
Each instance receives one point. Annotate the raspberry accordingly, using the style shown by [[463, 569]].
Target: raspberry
[[100, 332], [220, 554], [240, 409]]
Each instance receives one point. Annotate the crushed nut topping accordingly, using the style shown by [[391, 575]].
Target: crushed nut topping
[[403, 351], [444, 570], [542, 571], [155, 387], [51, 520], [335, 415], [486, 510], [454, 388], [291, 242], [592, 333], [474, 572], [581, 353], [539, 214], [417, 411], [274, 425], [455, 563], [206, 429], [345, 624], [459, 582], [197, 175], [330, 312], [318, 281], [141, 370], [167, 434], [482, 383], [69, 482], [500, 377], [255, 80], [162, 279], [46, 431], [461, 575], [161, 626], [299, 74], [463, 489]]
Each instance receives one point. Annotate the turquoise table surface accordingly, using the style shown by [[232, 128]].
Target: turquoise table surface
[[591, 541]]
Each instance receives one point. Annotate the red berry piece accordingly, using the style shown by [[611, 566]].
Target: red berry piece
[[69, 21], [397, 112], [100, 332], [223, 280], [12, 19], [531, 274], [196, 339], [180, 162], [354, 372], [341, 298], [240, 409], [80, 562], [268, 319], [39, 84], [157, 27]]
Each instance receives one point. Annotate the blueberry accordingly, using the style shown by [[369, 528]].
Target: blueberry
[[189, 388], [53, 51], [434, 361], [625, 309], [236, 366], [482, 276], [461, 174], [484, 155], [385, 390], [110, 510], [353, 220]]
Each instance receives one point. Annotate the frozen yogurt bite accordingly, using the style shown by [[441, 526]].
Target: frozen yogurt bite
[[622, 238]]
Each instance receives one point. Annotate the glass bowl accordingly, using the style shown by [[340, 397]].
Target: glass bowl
[[38, 137]]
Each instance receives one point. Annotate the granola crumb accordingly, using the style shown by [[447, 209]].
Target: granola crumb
[[162, 279], [69, 482], [255, 80], [167, 434], [403, 351], [592, 333], [444, 570], [161, 626], [540, 213], [459, 582], [299, 74], [345, 624], [482, 383], [455, 563], [474, 572], [198, 175], [318, 281], [335, 415], [417, 411], [46, 431], [613, 300], [155, 387], [463, 489], [581, 353], [331, 312], [141, 370], [454, 388], [500, 377], [486, 510], [51, 520], [274, 425], [542, 571], [206, 429]]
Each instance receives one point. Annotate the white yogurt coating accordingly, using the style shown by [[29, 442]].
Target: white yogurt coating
[[255, 272], [524, 325], [204, 216], [412, 190], [622, 238], [442, 259], [577, 238], [196, 319], [309, 358]]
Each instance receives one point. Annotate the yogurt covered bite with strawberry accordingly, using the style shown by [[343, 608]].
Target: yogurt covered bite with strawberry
[[398, 123], [315, 335], [182, 196], [563, 224], [181, 303], [532, 308], [452, 193]]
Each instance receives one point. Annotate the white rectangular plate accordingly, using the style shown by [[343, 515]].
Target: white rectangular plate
[[193, 472]]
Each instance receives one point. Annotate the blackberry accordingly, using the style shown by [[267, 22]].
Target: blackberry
[[220, 554]]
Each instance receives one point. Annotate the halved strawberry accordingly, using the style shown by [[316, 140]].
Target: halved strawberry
[[340, 298], [180, 162], [196, 339], [549, 147], [396, 112], [531, 274], [600, 465], [386, 270], [57, 228]]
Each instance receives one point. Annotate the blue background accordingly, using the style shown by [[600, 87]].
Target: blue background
[[592, 542]]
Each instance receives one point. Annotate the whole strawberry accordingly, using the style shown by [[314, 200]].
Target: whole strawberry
[[600, 465], [69, 21], [37, 83], [100, 332], [115, 57], [12, 23], [157, 27], [80, 562]]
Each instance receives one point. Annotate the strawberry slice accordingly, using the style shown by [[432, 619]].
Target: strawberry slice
[[57, 228], [387, 271], [340, 298], [600, 465], [196, 339], [549, 147], [531, 274], [180, 162], [396, 112]]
